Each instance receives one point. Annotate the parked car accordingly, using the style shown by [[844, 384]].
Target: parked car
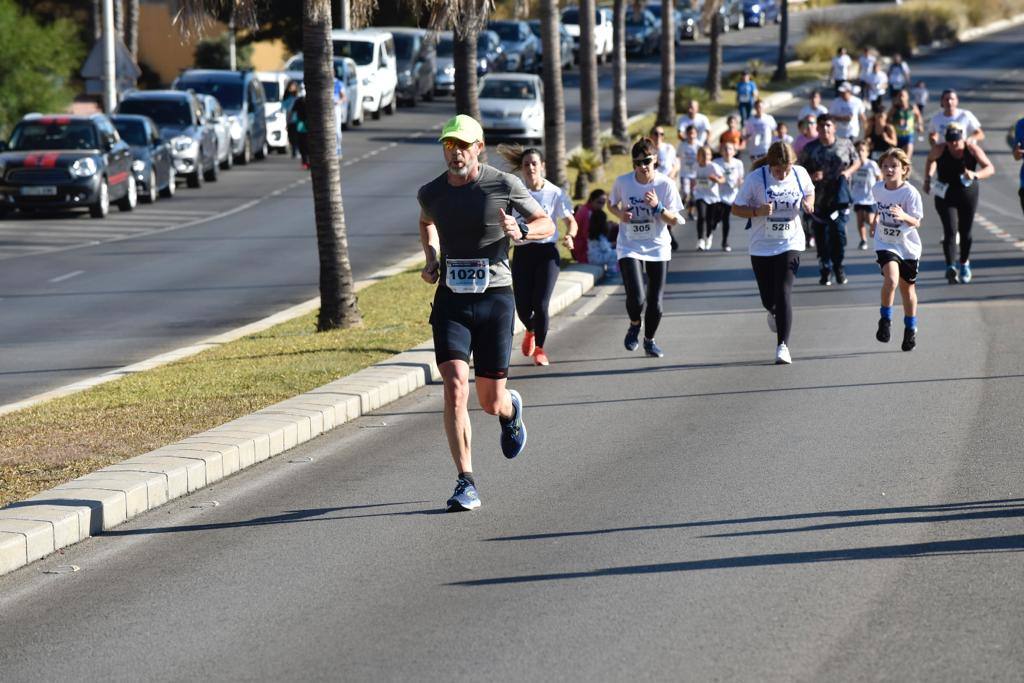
[[603, 31], [690, 26], [519, 44], [152, 164], [374, 54], [417, 64], [214, 116], [731, 15], [565, 43], [512, 105], [180, 117], [490, 54], [241, 95], [760, 12], [643, 35], [345, 70], [66, 162], [677, 23], [274, 83], [444, 76]]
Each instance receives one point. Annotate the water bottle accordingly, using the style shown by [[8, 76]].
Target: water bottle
[[965, 181]]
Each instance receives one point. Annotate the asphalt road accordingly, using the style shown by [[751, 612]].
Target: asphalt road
[[706, 516], [79, 296]]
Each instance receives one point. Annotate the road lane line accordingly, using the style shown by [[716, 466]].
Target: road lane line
[[66, 276]]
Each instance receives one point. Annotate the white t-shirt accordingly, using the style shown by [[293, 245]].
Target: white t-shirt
[[646, 236], [733, 173], [700, 122], [853, 108], [707, 189], [863, 181], [841, 67], [899, 75], [877, 83], [782, 231], [556, 205], [897, 236], [688, 158], [759, 133], [964, 117], [666, 158], [809, 110], [866, 63]]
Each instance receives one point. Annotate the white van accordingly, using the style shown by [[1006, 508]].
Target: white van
[[374, 54]]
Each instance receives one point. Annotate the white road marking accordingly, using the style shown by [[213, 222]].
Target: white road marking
[[66, 276]]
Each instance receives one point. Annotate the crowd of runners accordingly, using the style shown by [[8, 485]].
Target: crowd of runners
[[850, 159]]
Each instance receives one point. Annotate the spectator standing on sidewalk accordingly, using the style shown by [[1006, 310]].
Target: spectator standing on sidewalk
[[584, 215], [746, 95]]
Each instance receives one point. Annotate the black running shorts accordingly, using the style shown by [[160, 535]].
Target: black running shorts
[[908, 267], [475, 324]]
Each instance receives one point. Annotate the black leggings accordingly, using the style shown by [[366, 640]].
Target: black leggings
[[956, 211], [775, 276], [633, 280], [707, 218], [534, 273], [724, 211]]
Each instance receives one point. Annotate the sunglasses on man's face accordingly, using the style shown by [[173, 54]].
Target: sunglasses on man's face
[[452, 144], [659, 133], [646, 161]]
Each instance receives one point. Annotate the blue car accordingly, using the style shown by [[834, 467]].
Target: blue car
[[760, 12]]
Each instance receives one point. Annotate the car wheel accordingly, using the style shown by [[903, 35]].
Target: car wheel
[[760, 19], [131, 198], [151, 191], [741, 23], [195, 179], [212, 173], [390, 109], [429, 95], [261, 153], [101, 208], [376, 114], [172, 180], [246, 156], [725, 25], [229, 159]]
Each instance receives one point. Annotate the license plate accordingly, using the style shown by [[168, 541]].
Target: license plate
[[40, 191]]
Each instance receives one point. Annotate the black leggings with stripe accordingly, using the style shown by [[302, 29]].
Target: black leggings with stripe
[[637, 295]]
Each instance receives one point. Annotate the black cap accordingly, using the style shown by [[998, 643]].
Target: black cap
[[954, 132]]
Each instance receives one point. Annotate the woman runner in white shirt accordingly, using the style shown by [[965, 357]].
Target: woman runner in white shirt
[[646, 202], [535, 265], [706, 197], [771, 197], [897, 243]]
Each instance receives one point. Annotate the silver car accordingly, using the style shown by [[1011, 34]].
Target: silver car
[[214, 116]]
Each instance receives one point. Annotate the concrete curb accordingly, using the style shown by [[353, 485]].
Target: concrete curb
[[34, 528]]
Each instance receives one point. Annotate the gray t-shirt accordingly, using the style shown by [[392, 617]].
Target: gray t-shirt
[[468, 219]]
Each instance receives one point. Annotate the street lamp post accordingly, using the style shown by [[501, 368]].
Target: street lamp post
[[109, 62]]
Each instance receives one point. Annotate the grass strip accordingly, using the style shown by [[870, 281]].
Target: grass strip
[[55, 442]]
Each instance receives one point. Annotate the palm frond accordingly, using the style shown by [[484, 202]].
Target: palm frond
[[195, 16]]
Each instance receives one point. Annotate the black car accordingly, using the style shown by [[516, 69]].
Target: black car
[[643, 34], [565, 43], [760, 12], [153, 166], [66, 162], [417, 64], [180, 117]]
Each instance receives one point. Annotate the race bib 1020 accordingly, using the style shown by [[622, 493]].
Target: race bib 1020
[[467, 275]]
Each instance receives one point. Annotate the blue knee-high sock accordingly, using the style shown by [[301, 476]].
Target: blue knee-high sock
[[910, 322], [886, 312]]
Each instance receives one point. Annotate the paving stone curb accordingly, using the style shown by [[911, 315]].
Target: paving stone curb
[[34, 528]]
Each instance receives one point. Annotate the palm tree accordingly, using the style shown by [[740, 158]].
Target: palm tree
[[119, 18], [338, 303], [711, 17], [465, 18], [619, 110], [590, 118], [464, 61], [131, 27], [780, 68], [554, 97], [96, 16], [667, 94]]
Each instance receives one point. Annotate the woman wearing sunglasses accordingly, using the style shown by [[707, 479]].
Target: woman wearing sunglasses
[[646, 202]]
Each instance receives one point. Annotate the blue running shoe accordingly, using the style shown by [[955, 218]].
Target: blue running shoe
[[632, 338], [464, 497], [965, 273], [513, 433], [652, 349]]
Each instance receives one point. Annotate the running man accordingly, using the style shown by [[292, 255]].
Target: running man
[[758, 132], [694, 118], [952, 113], [647, 203], [466, 225]]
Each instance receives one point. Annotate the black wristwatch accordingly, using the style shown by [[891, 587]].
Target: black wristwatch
[[524, 229]]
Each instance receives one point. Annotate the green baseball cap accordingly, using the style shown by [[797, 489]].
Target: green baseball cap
[[462, 127]]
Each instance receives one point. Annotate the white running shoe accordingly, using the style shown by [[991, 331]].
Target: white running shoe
[[707, 243], [771, 322], [700, 244], [782, 356]]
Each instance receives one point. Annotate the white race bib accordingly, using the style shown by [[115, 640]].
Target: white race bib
[[889, 234], [641, 232], [940, 188], [703, 183], [780, 227], [468, 275]]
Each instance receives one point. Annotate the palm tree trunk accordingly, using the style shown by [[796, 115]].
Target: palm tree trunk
[[714, 80], [96, 19], [554, 96], [667, 95], [338, 304], [619, 109], [131, 27], [119, 18], [464, 60], [780, 68], [590, 117]]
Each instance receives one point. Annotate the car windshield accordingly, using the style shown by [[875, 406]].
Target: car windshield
[[360, 51], [228, 93], [272, 90], [535, 27], [132, 132], [499, 89], [508, 32], [37, 135], [164, 112], [404, 44], [445, 47], [634, 18], [572, 16], [655, 10]]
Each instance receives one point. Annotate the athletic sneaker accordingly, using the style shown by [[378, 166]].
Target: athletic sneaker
[[528, 344], [811, 243], [700, 244], [464, 498], [826, 277], [540, 358], [707, 243], [841, 276], [771, 322], [965, 273], [909, 339], [863, 246], [782, 356], [632, 340], [513, 432], [652, 349], [726, 247], [952, 276], [884, 333]]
